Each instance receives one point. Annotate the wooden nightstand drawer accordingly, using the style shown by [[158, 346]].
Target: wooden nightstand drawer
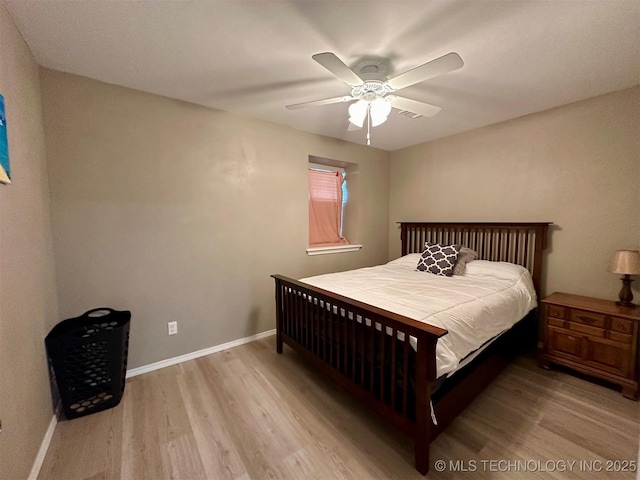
[[554, 311], [556, 322], [621, 325], [621, 337], [579, 327], [588, 318]]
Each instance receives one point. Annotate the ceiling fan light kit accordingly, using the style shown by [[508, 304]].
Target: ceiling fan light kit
[[378, 109], [370, 87]]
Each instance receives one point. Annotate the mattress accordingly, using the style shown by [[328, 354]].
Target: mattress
[[476, 307]]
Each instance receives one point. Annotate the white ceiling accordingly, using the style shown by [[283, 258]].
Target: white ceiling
[[254, 57]]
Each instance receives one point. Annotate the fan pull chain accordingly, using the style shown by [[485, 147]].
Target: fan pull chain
[[368, 125]]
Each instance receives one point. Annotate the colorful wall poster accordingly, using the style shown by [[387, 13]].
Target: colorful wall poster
[[5, 170]]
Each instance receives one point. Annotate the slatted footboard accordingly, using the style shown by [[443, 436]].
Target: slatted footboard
[[366, 350]]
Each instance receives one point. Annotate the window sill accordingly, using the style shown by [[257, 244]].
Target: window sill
[[333, 249]]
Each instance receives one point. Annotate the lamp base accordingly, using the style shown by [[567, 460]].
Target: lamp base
[[626, 305], [626, 295]]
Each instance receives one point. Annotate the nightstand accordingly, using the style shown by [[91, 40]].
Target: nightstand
[[592, 336]]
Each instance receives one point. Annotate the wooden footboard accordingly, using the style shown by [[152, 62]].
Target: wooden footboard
[[367, 350], [353, 343]]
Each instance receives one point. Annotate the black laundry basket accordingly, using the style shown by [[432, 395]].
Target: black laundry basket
[[88, 356]]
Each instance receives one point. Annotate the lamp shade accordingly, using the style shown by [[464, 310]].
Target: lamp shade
[[625, 262]]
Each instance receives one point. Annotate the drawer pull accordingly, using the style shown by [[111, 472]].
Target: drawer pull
[[587, 320]]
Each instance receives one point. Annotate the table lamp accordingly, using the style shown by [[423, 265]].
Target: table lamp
[[626, 262]]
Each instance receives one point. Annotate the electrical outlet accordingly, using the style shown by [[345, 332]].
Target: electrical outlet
[[172, 327]]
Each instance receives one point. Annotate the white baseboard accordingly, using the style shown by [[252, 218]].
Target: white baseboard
[[44, 446], [200, 353]]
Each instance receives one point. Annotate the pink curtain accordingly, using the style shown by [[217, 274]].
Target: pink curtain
[[325, 209]]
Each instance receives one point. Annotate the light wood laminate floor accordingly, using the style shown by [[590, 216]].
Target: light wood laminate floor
[[249, 413]]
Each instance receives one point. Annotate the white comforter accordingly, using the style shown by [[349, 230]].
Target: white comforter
[[475, 307]]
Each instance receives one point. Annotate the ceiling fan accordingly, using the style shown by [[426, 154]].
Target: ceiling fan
[[374, 92]]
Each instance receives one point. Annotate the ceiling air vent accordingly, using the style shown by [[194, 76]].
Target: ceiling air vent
[[409, 114]]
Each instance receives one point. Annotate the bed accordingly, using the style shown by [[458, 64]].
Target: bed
[[385, 354]]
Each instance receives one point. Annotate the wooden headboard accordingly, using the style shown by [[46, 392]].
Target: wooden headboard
[[520, 243]]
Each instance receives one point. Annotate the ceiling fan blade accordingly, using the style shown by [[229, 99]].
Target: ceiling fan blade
[[445, 64], [317, 103], [424, 109], [353, 127], [338, 68]]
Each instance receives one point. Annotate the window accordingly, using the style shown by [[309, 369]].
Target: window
[[328, 196], [326, 208]]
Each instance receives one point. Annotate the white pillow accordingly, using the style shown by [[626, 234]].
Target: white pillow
[[503, 270]]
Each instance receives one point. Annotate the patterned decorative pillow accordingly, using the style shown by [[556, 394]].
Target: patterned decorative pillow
[[438, 259], [465, 255]]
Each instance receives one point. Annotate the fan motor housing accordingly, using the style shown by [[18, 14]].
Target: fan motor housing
[[370, 90]]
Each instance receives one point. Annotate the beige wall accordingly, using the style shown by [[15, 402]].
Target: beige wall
[[179, 212], [28, 306], [577, 166]]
